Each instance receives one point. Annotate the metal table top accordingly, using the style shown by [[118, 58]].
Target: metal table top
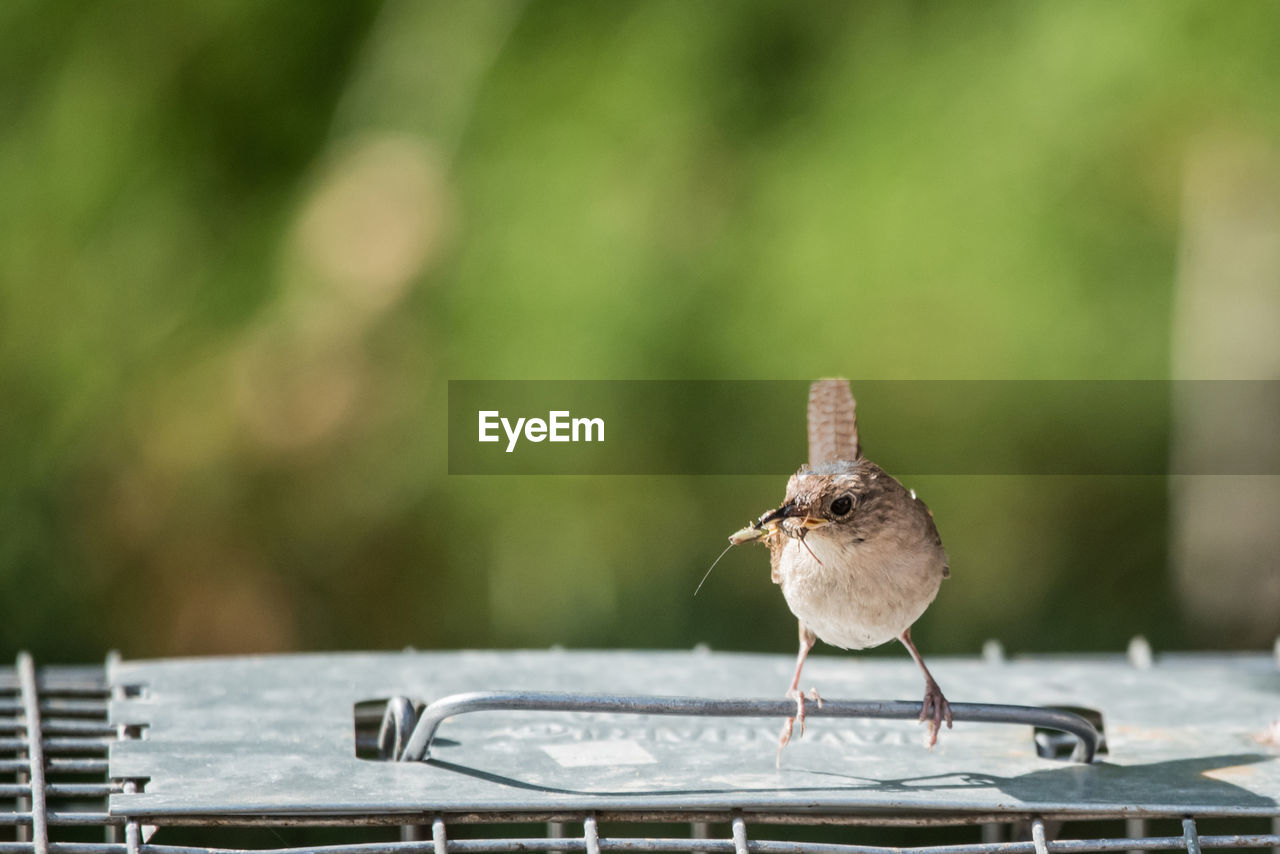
[[274, 736]]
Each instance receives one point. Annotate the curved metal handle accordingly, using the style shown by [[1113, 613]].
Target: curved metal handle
[[419, 744]]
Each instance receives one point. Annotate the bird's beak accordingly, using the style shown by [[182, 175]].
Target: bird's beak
[[791, 511], [768, 522], [786, 511]]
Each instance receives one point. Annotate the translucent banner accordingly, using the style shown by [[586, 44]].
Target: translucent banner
[[1053, 427]]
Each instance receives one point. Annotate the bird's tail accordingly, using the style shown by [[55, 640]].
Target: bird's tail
[[833, 423]]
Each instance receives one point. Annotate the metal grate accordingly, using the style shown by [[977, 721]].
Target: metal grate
[[232, 756], [54, 738]]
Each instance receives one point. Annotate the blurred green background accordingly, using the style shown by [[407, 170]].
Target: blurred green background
[[245, 245]]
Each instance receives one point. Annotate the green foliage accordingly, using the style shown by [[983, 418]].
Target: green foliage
[[243, 247]]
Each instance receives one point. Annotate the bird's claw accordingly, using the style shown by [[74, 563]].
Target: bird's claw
[[788, 726], [800, 697], [783, 739], [934, 710]]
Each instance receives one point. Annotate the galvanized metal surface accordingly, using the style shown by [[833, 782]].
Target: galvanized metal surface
[[72, 702], [274, 736]]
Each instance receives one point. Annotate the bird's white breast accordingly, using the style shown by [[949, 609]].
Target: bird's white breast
[[858, 595]]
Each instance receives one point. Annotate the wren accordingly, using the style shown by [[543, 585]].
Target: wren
[[856, 553]]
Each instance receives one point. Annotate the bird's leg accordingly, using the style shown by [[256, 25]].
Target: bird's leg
[[935, 707], [807, 640]]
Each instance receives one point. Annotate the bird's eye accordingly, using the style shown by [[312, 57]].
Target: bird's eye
[[842, 505]]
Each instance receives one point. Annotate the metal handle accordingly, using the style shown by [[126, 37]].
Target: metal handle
[[419, 743]]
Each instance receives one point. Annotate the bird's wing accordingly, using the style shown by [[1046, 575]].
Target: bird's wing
[[833, 423]]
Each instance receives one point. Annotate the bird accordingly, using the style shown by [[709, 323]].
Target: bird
[[857, 554]]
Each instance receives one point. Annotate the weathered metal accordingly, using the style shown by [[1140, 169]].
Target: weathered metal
[[275, 735], [271, 742]]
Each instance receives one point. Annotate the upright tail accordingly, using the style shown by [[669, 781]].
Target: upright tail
[[833, 423]]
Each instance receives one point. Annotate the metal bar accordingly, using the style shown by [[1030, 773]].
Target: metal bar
[[73, 707], [52, 683], [471, 817], [75, 765], [432, 716], [1139, 653], [132, 838], [1135, 827], [739, 834], [439, 842], [1191, 837], [763, 817], [412, 833], [54, 706], [74, 689], [83, 819], [78, 745], [1069, 846], [61, 819], [35, 753], [63, 726], [1037, 836], [132, 832], [23, 805], [394, 730], [80, 728], [591, 834], [718, 846], [62, 790], [72, 744], [112, 833]]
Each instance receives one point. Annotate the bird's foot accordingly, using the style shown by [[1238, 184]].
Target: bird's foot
[[800, 697], [934, 710], [788, 725]]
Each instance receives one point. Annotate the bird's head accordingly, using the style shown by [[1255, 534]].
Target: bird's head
[[835, 497]]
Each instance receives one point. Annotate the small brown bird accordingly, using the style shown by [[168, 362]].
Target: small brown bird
[[856, 553]]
